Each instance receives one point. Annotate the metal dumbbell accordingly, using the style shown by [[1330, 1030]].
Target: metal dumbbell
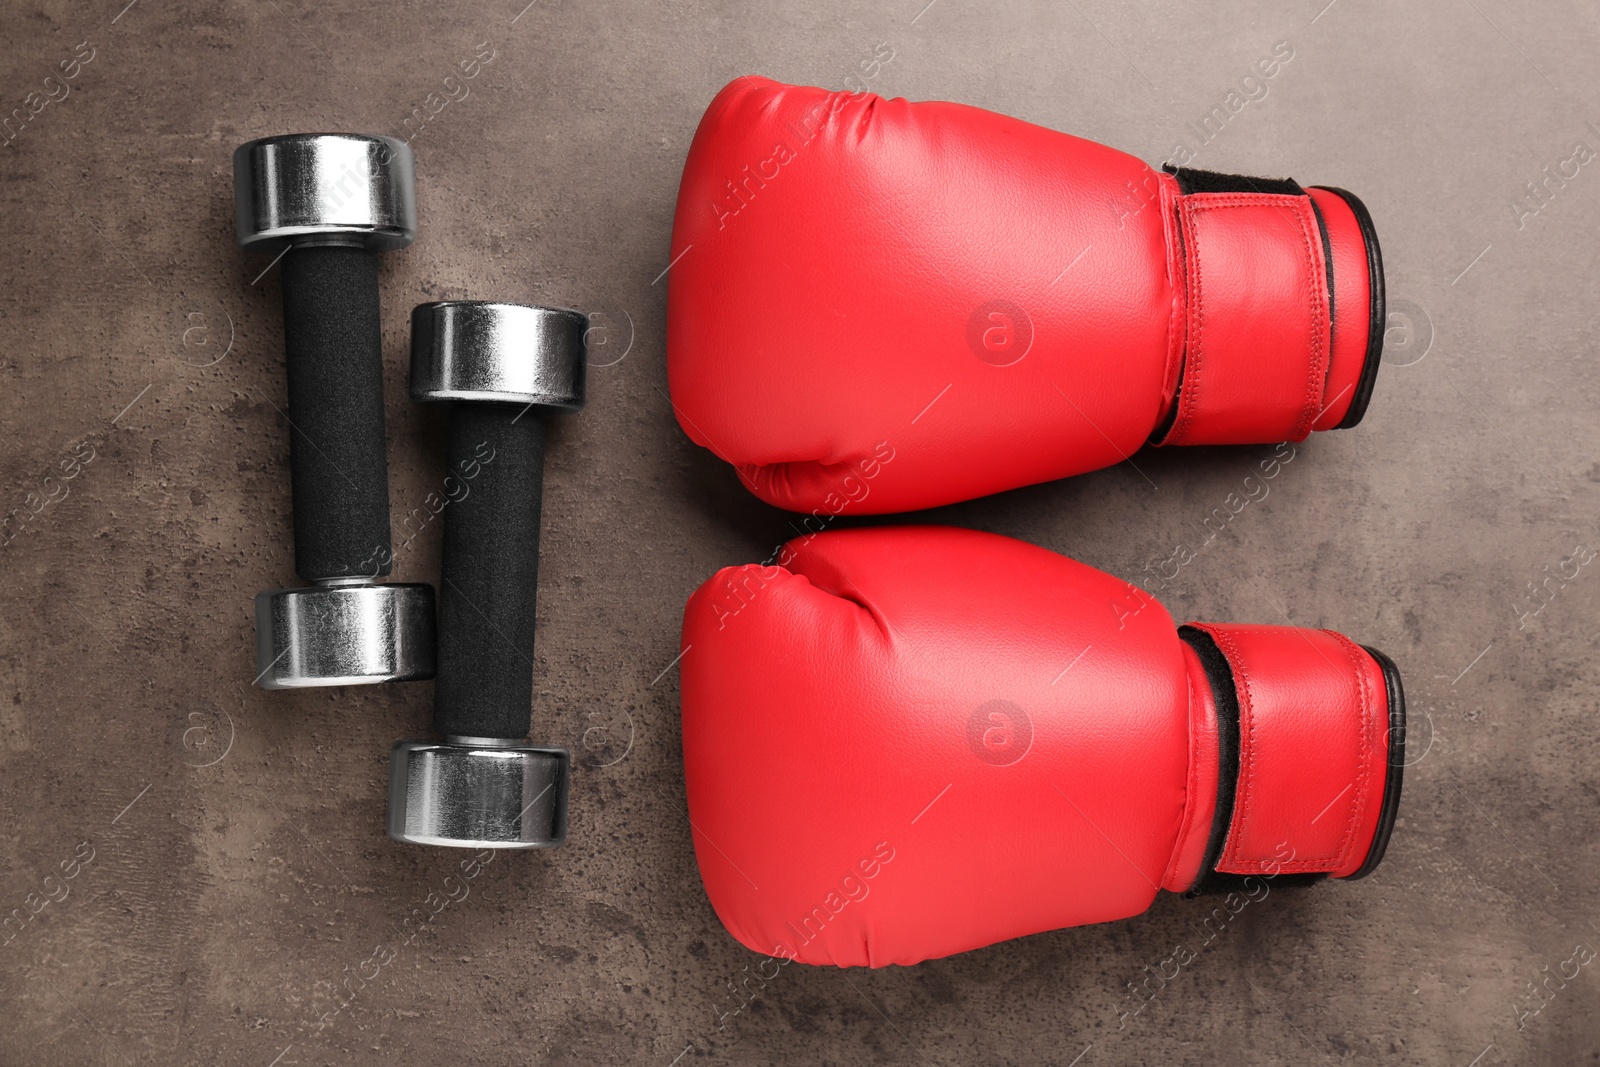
[[506, 368], [327, 204]]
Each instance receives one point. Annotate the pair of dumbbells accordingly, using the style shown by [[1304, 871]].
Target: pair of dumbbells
[[327, 204]]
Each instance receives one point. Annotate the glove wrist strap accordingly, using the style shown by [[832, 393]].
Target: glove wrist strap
[[1310, 746], [1281, 310]]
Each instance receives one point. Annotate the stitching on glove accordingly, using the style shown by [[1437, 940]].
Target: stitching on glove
[[1316, 383], [1194, 354], [1190, 209], [1190, 788], [1364, 754]]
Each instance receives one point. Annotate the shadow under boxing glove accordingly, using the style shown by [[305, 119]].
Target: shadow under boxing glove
[[901, 743], [991, 303]]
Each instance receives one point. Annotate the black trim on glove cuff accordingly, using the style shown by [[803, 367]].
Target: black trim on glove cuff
[[1397, 766]]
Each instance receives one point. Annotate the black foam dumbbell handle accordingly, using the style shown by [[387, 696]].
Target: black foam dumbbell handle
[[334, 359], [489, 573]]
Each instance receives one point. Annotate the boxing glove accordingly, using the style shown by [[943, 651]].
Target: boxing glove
[[901, 743], [991, 304]]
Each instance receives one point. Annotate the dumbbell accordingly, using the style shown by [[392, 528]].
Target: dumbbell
[[505, 368], [327, 204]]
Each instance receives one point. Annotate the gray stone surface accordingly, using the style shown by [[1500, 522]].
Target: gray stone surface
[[225, 905]]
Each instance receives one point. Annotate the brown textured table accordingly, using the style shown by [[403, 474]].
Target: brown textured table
[[232, 898]]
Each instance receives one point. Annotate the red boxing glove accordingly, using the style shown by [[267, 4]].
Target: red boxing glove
[[906, 742], [991, 303]]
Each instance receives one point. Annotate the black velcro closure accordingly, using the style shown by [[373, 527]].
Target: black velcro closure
[[1216, 884], [1220, 675], [1191, 180]]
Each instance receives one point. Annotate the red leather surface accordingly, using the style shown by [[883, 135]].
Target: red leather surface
[[1313, 750], [831, 712], [1200, 810], [1256, 349], [831, 312], [908, 742], [993, 303], [1352, 306]]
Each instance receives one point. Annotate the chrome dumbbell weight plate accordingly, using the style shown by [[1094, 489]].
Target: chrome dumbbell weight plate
[[324, 187], [353, 634], [504, 353], [475, 793]]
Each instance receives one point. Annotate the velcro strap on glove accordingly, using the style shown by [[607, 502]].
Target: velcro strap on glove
[[1310, 781], [1258, 311]]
